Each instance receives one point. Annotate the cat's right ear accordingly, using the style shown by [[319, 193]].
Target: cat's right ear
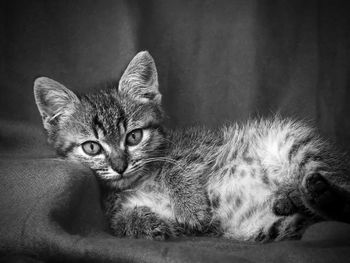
[[53, 100], [140, 79]]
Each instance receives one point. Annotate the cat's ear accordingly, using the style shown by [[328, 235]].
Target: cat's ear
[[140, 79], [53, 100]]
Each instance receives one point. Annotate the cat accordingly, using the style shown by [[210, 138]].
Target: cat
[[265, 180]]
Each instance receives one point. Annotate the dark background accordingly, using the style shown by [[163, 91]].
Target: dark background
[[217, 60]]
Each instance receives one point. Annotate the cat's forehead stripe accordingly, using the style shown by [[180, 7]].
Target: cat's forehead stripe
[[98, 128]]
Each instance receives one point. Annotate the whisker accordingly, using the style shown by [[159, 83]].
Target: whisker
[[166, 139], [160, 159]]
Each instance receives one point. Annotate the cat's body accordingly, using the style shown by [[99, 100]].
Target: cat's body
[[239, 185], [264, 180]]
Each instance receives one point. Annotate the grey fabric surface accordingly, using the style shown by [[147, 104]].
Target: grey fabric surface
[[50, 211]]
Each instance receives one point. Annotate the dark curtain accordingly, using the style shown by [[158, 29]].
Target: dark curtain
[[218, 61]]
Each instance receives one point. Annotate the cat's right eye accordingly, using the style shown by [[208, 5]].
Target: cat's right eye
[[91, 148], [133, 138]]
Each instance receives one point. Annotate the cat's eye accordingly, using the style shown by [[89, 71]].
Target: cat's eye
[[91, 148], [134, 137]]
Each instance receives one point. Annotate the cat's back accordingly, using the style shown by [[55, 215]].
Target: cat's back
[[193, 148], [267, 141], [264, 143]]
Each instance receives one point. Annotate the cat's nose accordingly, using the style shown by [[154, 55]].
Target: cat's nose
[[118, 161], [119, 165]]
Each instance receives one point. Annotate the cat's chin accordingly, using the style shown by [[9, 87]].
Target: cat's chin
[[110, 177], [121, 182]]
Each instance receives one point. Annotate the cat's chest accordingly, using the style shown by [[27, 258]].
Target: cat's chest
[[152, 195]]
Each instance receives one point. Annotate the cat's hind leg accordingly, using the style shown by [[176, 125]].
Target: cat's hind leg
[[321, 186], [283, 228], [327, 196]]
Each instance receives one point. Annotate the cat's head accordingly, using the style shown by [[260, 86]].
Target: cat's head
[[116, 132]]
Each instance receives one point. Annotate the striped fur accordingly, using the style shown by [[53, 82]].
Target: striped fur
[[259, 181]]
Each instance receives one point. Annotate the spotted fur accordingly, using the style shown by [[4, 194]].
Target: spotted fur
[[259, 181]]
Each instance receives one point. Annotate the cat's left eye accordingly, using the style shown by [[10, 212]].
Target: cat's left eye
[[91, 148], [134, 137]]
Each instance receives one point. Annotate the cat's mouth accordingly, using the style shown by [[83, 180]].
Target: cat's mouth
[[111, 178], [111, 175]]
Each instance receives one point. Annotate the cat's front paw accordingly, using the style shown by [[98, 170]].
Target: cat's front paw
[[194, 219], [141, 222]]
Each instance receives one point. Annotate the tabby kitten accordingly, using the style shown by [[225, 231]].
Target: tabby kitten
[[261, 181]]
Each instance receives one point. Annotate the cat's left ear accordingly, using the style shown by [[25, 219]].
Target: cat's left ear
[[53, 100], [140, 79]]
